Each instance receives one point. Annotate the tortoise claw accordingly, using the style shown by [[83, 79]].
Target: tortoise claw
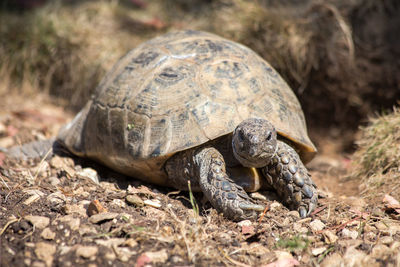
[[255, 207], [303, 212]]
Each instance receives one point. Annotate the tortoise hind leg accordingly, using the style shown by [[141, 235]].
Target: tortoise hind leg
[[289, 177], [34, 150], [205, 168]]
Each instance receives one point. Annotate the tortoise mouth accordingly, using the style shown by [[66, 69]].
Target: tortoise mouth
[[258, 160]]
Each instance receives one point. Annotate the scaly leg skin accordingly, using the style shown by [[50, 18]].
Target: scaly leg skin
[[290, 178], [34, 150], [205, 168]]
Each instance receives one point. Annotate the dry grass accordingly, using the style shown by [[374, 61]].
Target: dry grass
[[377, 160], [65, 49]]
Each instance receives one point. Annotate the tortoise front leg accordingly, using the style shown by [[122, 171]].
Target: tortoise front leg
[[205, 168], [289, 177]]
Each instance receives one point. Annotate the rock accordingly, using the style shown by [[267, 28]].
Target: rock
[[56, 162], [48, 234], [349, 233], [294, 213], [275, 206], [299, 228], [101, 217], [135, 200], [95, 207], [90, 174], [110, 255], [153, 203], [54, 181], [86, 251], [283, 255], [381, 251], [56, 198], [160, 256], [130, 243], [38, 221], [318, 251], [45, 251], [119, 203], [87, 230], [152, 257], [42, 170], [354, 257], [124, 254], [334, 260], [248, 230], [63, 164], [75, 209], [317, 225], [330, 237], [64, 249], [387, 240], [34, 195], [72, 222], [244, 223], [112, 242]]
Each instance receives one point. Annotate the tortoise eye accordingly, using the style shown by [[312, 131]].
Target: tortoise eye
[[269, 136], [240, 135]]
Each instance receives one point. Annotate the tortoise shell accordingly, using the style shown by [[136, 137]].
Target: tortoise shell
[[175, 92]]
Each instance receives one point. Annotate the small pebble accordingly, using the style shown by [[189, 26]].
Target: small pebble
[[72, 222], [244, 223], [349, 233], [38, 221], [318, 251], [45, 252], [48, 234], [153, 203], [95, 207], [135, 200], [86, 251], [101, 217], [275, 206], [317, 225], [330, 237], [90, 174], [119, 203]]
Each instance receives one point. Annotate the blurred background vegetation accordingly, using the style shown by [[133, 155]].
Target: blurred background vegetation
[[341, 57]]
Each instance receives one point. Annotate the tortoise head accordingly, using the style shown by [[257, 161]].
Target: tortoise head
[[254, 142]]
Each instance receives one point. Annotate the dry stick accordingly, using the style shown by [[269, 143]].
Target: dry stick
[[8, 224], [263, 214], [318, 210], [232, 260], [41, 164], [340, 226]]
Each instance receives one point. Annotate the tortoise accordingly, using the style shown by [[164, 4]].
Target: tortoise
[[193, 106]]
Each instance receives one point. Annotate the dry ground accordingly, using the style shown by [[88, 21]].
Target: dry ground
[[46, 206]]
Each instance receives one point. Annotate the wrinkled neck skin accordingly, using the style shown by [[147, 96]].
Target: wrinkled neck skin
[[254, 142]]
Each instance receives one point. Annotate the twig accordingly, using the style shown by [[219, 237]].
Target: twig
[[263, 214], [238, 263], [8, 224]]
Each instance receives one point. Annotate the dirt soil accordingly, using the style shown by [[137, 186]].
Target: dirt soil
[[71, 212]]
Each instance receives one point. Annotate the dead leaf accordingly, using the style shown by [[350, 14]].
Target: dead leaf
[[391, 203]]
